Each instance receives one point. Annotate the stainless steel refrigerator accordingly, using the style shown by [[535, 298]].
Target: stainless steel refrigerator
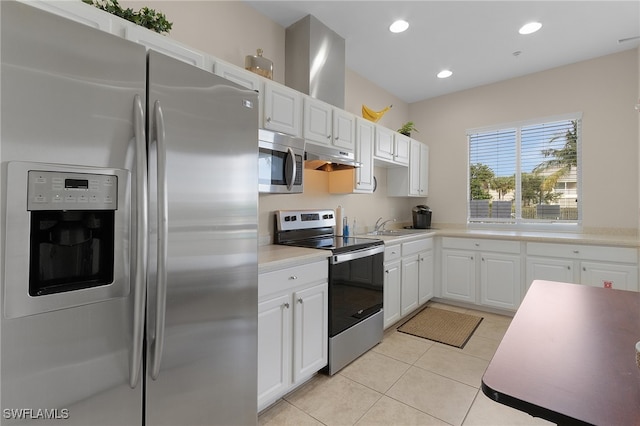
[[129, 232]]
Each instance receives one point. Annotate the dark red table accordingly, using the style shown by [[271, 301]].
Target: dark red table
[[569, 356]]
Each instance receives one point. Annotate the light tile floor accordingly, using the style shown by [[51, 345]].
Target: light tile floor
[[406, 380]]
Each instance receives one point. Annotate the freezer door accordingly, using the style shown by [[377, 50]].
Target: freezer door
[[202, 295], [67, 100]]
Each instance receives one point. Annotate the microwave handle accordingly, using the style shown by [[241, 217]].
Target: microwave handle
[[290, 169]]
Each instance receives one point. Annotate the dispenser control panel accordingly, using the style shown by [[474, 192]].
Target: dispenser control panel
[[71, 191]]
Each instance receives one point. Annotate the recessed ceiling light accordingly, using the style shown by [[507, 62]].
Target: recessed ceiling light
[[530, 28], [399, 26], [445, 74]]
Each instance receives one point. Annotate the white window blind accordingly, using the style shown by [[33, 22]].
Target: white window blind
[[525, 173]]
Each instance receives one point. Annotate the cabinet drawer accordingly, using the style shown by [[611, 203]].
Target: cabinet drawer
[[481, 245], [290, 278], [576, 251], [417, 246], [392, 252]]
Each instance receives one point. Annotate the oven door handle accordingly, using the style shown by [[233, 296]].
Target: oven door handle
[[356, 254]]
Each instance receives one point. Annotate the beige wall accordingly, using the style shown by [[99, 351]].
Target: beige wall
[[230, 30], [603, 89]]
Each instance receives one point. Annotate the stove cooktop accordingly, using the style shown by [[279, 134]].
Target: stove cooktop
[[336, 243]]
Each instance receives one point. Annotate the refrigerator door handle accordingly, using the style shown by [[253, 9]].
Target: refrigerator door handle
[[142, 223], [163, 229]]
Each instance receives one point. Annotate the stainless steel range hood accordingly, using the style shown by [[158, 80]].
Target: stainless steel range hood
[[328, 158]]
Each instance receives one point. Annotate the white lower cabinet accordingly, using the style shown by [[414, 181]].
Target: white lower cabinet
[[496, 263], [391, 301], [408, 280], [598, 266], [292, 328]]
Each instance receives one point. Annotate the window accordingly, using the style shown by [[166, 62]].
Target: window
[[526, 173]]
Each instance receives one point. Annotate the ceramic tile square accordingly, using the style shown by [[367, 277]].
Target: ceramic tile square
[[285, 414], [334, 400], [389, 412], [485, 412], [375, 371], [403, 347], [438, 396], [455, 365], [493, 328]]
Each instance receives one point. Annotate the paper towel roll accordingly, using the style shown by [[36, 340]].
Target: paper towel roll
[[339, 216]]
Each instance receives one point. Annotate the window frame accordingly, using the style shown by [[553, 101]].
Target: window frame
[[519, 223]]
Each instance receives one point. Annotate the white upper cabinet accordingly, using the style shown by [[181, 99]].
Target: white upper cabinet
[[414, 180], [344, 129], [282, 109], [327, 125], [80, 12], [365, 135], [317, 121], [384, 147], [402, 146], [165, 45], [238, 75]]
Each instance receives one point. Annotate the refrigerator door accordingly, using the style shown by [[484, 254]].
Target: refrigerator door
[[202, 294], [68, 100]]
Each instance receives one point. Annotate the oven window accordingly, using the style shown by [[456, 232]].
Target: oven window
[[355, 291]]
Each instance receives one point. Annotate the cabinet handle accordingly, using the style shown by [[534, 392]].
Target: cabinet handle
[[293, 277], [477, 244], [328, 136], [569, 267], [268, 119], [300, 300], [393, 252], [386, 272], [483, 259], [471, 257], [576, 251], [584, 269], [286, 305], [337, 137]]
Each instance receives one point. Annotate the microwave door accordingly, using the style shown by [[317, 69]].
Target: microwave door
[[290, 169]]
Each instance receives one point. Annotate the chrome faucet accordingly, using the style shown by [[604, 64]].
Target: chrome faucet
[[380, 226]]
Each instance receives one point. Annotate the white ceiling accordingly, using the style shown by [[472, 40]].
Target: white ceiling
[[475, 39]]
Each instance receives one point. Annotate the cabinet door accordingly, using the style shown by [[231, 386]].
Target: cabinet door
[[238, 75], [401, 149], [409, 288], [384, 143], [425, 285], [365, 135], [424, 170], [391, 302], [414, 168], [548, 269], [344, 129], [166, 45], [609, 275], [459, 275], [274, 348], [310, 331], [282, 109], [500, 280], [317, 121]]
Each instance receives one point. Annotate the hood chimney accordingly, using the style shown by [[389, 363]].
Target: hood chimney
[[315, 61]]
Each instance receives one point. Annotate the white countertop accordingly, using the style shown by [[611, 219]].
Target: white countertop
[[272, 257]]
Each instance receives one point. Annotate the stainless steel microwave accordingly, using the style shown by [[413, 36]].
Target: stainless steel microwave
[[281, 161]]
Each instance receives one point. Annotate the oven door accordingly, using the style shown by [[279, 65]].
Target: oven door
[[355, 287]]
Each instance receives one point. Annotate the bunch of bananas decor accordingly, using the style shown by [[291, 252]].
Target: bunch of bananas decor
[[372, 115]]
